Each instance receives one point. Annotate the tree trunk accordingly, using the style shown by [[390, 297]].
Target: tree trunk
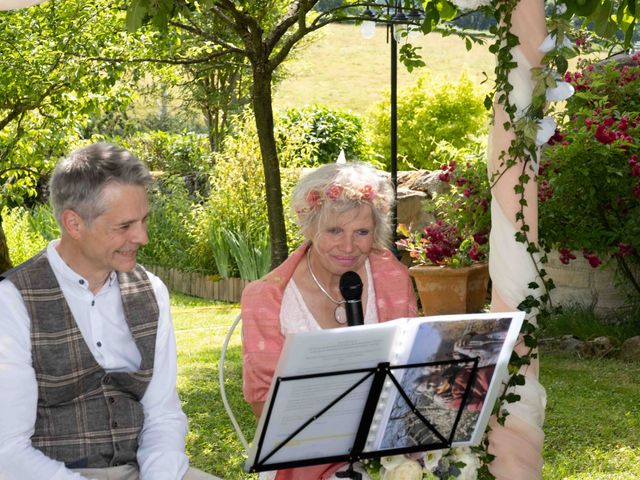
[[263, 111], [5, 261]]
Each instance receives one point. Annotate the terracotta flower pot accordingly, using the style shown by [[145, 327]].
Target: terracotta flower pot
[[445, 290]]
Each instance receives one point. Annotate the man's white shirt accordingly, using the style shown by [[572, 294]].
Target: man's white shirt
[[101, 321]]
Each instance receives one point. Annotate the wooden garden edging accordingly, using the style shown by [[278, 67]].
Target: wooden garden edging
[[199, 285]]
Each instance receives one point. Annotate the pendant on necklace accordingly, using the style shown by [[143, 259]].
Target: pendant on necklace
[[340, 314]]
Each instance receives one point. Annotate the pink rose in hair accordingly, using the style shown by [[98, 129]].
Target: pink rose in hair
[[313, 199], [333, 191], [368, 193]]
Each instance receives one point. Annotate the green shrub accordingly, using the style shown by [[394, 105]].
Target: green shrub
[[325, 131], [589, 187], [25, 238], [236, 207], [429, 112], [172, 153], [170, 227]]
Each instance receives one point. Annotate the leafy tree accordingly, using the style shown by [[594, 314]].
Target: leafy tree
[[216, 81], [49, 87], [265, 33]]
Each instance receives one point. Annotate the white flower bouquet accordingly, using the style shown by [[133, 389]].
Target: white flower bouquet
[[459, 463]]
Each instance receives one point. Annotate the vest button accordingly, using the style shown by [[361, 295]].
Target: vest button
[[106, 380], [114, 424], [112, 400]]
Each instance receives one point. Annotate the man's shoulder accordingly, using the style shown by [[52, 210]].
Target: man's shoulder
[[38, 257], [141, 275]]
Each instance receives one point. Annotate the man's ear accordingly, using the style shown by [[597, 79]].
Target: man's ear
[[72, 224]]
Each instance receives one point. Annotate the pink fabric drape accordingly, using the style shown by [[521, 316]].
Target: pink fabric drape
[[518, 444]]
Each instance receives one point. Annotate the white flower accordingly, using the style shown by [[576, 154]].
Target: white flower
[[470, 460], [432, 458], [407, 470], [471, 4], [546, 129], [561, 91], [549, 43], [392, 461]]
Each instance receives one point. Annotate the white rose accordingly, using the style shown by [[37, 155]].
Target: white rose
[[546, 129], [407, 470], [470, 460], [560, 92], [471, 4], [431, 458], [392, 461], [549, 43]]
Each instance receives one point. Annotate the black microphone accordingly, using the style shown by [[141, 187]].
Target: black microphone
[[351, 290]]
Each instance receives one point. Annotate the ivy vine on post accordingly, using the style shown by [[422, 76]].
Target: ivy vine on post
[[530, 129]]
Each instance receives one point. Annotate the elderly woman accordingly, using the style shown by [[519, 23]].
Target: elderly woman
[[343, 212]]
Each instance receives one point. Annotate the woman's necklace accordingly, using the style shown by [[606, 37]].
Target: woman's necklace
[[340, 313]]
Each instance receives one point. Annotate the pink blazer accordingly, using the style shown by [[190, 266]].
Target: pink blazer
[[262, 340]]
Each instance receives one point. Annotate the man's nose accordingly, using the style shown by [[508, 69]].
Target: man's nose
[[140, 235]]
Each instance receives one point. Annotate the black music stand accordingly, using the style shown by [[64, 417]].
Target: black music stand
[[379, 374]]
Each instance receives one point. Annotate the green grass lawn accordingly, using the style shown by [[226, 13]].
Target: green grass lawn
[[340, 69], [592, 419]]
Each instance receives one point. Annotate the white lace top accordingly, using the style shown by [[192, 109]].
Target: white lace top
[[296, 317]]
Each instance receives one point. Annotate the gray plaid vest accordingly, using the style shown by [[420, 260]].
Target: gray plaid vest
[[86, 417]]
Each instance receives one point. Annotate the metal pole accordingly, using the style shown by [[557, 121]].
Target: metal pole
[[394, 134]]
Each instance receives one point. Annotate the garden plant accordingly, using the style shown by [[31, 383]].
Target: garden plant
[[590, 172]]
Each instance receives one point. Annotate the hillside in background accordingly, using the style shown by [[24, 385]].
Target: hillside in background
[[339, 68]]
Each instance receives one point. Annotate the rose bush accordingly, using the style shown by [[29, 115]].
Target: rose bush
[[460, 236], [589, 178]]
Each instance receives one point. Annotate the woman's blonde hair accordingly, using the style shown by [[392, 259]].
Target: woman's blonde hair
[[336, 188]]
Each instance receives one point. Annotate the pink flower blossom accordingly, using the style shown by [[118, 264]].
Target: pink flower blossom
[[313, 199], [592, 258], [480, 238], [604, 136], [368, 193], [566, 256], [473, 253], [624, 249], [555, 138], [545, 191], [333, 191]]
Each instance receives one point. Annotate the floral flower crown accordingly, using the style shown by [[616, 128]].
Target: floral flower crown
[[334, 192]]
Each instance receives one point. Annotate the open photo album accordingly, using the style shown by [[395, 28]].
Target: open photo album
[[411, 384]]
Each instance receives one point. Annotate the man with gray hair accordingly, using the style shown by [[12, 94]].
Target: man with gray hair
[[87, 348]]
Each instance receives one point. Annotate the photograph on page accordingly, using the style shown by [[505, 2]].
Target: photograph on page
[[437, 391]]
